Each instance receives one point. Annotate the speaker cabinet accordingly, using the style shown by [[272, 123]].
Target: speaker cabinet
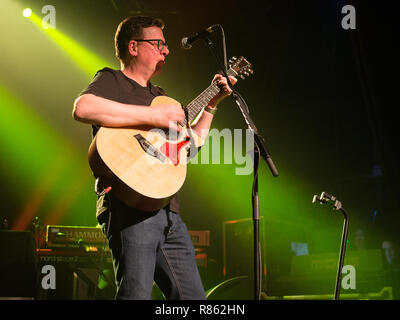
[[17, 264], [238, 248]]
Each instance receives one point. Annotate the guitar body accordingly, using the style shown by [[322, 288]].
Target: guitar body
[[144, 167]]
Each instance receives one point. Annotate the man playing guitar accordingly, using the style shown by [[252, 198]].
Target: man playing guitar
[[146, 245]]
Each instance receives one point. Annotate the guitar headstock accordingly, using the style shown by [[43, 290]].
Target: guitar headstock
[[240, 67]]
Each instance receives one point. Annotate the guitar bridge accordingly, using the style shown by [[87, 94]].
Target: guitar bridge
[[149, 148]]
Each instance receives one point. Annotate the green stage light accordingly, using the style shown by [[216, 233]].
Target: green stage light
[[49, 175], [27, 12], [84, 58]]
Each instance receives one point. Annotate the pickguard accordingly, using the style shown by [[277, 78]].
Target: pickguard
[[172, 150]]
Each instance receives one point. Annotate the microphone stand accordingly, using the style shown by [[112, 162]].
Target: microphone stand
[[337, 205], [260, 149], [342, 253], [81, 244]]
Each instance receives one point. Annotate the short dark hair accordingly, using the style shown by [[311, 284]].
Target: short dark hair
[[131, 28]]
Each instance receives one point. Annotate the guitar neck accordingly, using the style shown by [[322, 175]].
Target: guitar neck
[[202, 100]]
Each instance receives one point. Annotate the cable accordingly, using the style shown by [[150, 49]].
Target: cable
[[104, 193]]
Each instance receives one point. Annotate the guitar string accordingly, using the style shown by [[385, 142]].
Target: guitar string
[[203, 99], [198, 103]]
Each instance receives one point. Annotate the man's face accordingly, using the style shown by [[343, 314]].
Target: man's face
[[149, 55]]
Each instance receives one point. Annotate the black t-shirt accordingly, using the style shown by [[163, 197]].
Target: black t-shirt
[[114, 85]]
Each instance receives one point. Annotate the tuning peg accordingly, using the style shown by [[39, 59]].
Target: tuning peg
[[232, 60]]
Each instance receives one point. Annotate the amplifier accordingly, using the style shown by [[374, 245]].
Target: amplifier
[[70, 236], [200, 238]]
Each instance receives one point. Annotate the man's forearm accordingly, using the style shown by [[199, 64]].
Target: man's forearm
[[100, 111]]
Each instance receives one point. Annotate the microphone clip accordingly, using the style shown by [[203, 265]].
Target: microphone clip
[[186, 42], [328, 199]]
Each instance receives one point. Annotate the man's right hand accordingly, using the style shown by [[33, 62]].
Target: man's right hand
[[166, 116]]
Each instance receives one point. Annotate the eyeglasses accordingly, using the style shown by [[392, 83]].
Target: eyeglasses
[[160, 43]]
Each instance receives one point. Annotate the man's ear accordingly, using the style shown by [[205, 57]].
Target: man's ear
[[132, 48]]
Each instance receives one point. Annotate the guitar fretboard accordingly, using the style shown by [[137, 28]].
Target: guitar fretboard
[[202, 100]]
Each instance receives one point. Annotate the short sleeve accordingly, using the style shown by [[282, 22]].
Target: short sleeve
[[104, 84]]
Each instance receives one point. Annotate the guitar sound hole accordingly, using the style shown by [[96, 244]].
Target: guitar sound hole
[[171, 134]]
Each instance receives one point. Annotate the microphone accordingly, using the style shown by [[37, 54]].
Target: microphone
[[186, 42]]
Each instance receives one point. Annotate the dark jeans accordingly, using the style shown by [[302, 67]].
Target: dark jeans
[[152, 246]]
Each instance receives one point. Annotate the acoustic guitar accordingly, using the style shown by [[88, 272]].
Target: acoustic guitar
[[146, 166]]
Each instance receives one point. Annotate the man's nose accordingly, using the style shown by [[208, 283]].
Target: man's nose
[[165, 51]]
